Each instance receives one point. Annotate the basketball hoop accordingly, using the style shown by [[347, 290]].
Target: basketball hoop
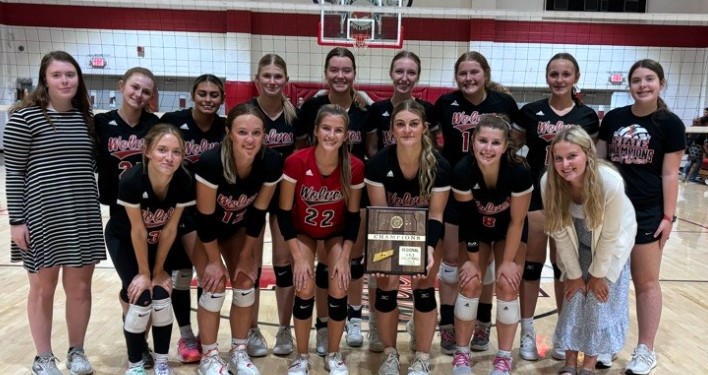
[[361, 42]]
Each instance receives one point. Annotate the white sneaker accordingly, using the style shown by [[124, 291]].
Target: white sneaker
[[391, 364], [212, 364], [410, 328], [420, 365], [335, 364], [528, 349], [557, 353], [283, 341], [604, 360], [462, 363], [375, 344], [300, 366], [354, 337], [480, 337], [642, 362], [240, 363], [321, 343], [256, 345], [137, 370], [78, 364], [162, 368], [45, 366], [501, 366]]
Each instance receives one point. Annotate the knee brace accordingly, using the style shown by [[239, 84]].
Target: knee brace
[[321, 276], [491, 274], [466, 308], [556, 271], [243, 297], [162, 314], [386, 300], [212, 301], [508, 311], [447, 273], [182, 279], [303, 308], [337, 308], [424, 300], [532, 271], [357, 268], [137, 318], [283, 276]]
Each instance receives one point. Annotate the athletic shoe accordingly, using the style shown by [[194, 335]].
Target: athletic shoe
[[240, 363], [390, 365], [375, 344], [642, 362], [604, 360], [188, 350], [447, 339], [480, 337], [148, 358], [78, 364], [557, 353], [528, 349], [283, 341], [163, 368], [335, 364], [502, 366], [410, 328], [45, 366], [354, 337], [321, 341], [256, 345], [300, 366], [461, 363], [212, 364], [137, 370], [420, 365]]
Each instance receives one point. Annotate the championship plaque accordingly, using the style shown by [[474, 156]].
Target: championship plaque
[[395, 240]]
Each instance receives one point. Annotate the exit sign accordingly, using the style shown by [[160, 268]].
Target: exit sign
[[616, 78], [98, 62]]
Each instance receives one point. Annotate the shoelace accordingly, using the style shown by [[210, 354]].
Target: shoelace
[[419, 365], [161, 366], [213, 357], [302, 361], [191, 344], [447, 334], [502, 364], [481, 334], [284, 336], [242, 356], [48, 361], [391, 360], [337, 357], [461, 359], [258, 338], [527, 339]]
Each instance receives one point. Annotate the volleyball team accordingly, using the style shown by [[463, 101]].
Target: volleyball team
[[194, 191]]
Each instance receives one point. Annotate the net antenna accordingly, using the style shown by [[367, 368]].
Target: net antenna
[[361, 24]]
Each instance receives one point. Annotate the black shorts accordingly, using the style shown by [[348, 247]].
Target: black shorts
[[491, 235], [648, 219], [188, 221], [452, 212], [536, 201]]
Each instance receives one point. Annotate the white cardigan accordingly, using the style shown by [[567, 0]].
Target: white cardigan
[[612, 241]]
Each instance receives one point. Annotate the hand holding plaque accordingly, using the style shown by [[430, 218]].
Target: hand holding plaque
[[395, 240]]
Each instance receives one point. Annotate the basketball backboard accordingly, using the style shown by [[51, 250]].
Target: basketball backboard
[[361, 23]]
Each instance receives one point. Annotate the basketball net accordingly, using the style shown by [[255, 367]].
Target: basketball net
[[361, 43]]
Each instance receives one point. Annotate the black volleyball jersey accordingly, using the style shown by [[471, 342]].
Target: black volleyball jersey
[[278, 134], [120, 147], [380, 120], [196, 141], [358, 118], [232, 200], [492, 204], [383, 170], [135, 190], [637, 145], [541, 124], [458, 117]]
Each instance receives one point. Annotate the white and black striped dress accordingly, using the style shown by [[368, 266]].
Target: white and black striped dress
[[52, 188]]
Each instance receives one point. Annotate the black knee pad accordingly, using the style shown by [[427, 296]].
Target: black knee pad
[[424, 300], [322, 276], [556, 271], [357, 268], [124, 296], [145, 298], [283, 276], [386, 300], [303, 308], [159, 292], [337, 308], [532, 271]]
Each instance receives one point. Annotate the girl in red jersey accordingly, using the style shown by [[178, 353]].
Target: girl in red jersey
[[321, 187]]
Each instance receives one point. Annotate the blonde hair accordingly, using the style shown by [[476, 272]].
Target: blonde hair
[[155, 134], [428, 162], [227, 146], [557, 195], [345, 167], [288, 108]]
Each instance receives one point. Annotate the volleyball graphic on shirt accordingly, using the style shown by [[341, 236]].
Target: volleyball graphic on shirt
[[630, 145]]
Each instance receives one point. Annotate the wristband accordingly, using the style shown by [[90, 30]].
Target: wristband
[[351, 226], [285, 222]]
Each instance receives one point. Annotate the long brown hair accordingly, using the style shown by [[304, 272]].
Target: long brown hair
[[211, 79], [569, 57], [344, 52], [288, 107], [147, 73], [498, 122], [656, 68], [227, 145], [345, 165], [481, 60]]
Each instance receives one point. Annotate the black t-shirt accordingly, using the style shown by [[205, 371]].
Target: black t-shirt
[[135, 190], [196, 141], [541, 124], [232, 200], [637, 145], [279, 135], [358, 118], [380, 120], [458, 117], [384, 170], [120, 147]]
